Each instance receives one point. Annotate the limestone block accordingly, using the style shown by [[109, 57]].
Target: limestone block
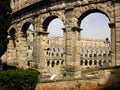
[[118, 35]]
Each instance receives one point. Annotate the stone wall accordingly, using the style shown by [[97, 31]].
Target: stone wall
[[40, 13], [69, 85], [107, 79]]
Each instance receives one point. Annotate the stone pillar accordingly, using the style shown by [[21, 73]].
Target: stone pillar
[[71, 44], [18, 36], [42, 62], [20, 48], [11, 52], [117, 27], [76, 45], [113, 47], [115, 35], [23, 53]]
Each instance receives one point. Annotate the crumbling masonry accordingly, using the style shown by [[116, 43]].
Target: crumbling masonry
[[29, 48]]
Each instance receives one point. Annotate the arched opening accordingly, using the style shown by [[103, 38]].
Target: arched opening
[[53, 25], [89, 12], [96, 32], [25, 27], [95, 62], [47, 21], [81, 62], [57, 63], [12, 33], [100, 62], [95, 26], [90, 62], [53, 63], [55, 28], [28, 31], [48, 63], [28, 35], [86, 62]]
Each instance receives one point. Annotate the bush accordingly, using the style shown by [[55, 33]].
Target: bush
[[18, 79]]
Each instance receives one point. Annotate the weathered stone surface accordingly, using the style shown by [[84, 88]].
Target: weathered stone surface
[[64, 57], [29, 48]]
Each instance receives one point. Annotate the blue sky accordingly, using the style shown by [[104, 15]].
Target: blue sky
[[55, 28], [95, 26]]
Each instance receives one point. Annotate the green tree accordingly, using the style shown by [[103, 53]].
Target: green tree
[[18, 79], [5, 21]]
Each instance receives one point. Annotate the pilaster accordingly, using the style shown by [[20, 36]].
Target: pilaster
[[113, 41], [72, 44], [42, 62], [20, 48], [117, 27]]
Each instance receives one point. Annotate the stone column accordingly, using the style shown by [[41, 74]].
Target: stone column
[[18, 49], [117, 27], [115, 35], [11, 52], [71, 44], [18, 36], [42, 62], [113, 46], [76, 45], [22, 52]]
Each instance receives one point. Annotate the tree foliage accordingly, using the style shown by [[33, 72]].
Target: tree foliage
[[18, 79], [5, 21]]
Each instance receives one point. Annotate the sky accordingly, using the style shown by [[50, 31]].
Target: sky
[[95, 26], [55, 28]]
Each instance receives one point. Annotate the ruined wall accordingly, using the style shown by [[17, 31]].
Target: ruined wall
[[40, 13], [107, 79], [95, 53]]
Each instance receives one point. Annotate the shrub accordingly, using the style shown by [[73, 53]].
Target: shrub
[[18, 79]]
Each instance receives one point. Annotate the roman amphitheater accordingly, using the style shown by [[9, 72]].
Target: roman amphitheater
[[69, 55], [93, 54]]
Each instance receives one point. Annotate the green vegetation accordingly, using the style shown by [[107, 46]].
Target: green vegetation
[[18, 79], [5, 22], [88, 71]]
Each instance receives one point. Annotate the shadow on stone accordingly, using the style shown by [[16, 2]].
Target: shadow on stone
[[113, 83]]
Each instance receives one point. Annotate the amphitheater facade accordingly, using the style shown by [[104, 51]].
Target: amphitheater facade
[[32, 49]]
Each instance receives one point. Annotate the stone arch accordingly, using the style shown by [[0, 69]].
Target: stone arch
[[104, 62], [86, 62], [95, 62], [25, 27], [26, 44], [48, 63], [57, 63], [47, 21], [89, 12], [100, 62], [81, 62], [27, 21], [90, 62], [53, 63], [12, 32], [12, 35]]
